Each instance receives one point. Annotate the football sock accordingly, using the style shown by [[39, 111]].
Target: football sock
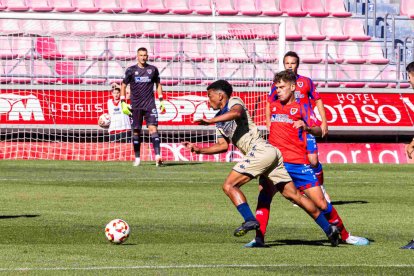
[[333, 218], [155, 139], [262, 214], [245, 211], [323, 223], [319, 173], [136, 143]]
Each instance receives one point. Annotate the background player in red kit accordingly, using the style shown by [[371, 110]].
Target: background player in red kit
[[290, 121]]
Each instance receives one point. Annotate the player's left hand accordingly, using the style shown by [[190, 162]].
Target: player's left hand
[[324, 127], [192, 147], [204, 122], [162, 106], [299, 124]]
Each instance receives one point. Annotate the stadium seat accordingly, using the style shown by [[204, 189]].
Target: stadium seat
[[103, 29], [222, 31], [109, 6], [87, 6], [354, 28], [3, 78], [141, 43], [191, 75], [292, 8], [263, 74], [114, 71], [156, 7], [292, 34], [350, 53], [165, 50], [246, 7], [407, 8], [67, 72], [349, 75], [33, 27], [43, 73], [24, 47], [80, 28], [336, 8], [178, 6], [127, 29], [373, 53], [305, 70], [208, 50], [329, 48], [200, 6], [56, 27], [47, 48], [6, 48], [3, 6], [390, 74], [237, 51], [189, 50], [225, 7], [10, 27], [314, 8], [170, 72], [17, 5], [197, 30], [309, 29], [241, 31], [119, 49], [97, 49], [233, 73], [151, 29], [264, 51], [64, 6], [90, 72], [266, 31], [323, 77], [41, 5], [134, 6], [269, 7], [71, 49], [368, 73], [173, 30], [332, 28], [17, 71], [306, 52]]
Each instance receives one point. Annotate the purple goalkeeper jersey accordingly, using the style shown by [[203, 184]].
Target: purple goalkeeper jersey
[[141, 81]]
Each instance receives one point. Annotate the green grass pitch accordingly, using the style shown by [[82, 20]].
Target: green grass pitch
[[53, 215]]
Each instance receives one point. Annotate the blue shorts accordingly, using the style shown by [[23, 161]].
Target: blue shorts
[[150, 115], [302, 176], [311, 146]]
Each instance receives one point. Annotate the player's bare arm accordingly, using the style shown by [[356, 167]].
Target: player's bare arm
[[268, 116], [222, 145], [123, 90], [315, 130], [235, 113], [321, 109]]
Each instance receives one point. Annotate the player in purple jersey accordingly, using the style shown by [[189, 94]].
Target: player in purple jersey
[[410, 147], [141, 78]]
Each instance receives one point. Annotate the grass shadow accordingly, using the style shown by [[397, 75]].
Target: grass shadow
[[181, 164], [19, 216], [297, 242], [344, 202]]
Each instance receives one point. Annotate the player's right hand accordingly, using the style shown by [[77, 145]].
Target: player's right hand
[[126, 108]]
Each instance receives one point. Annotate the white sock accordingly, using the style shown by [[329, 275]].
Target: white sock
[[137, 159], [157, 156]]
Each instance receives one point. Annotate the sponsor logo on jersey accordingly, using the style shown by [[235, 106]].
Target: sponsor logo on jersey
[[293, 111], [142, 79], [281, 118]]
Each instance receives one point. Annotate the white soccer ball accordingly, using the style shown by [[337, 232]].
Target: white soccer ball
[[117, 231], [104, 120]]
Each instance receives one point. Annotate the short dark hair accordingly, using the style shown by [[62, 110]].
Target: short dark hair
[[142, 49], [222, 85], [286, 76], [291, 54], [410, 67]]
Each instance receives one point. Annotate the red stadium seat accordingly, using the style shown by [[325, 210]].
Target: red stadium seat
[[109, 6], [246, 7], [43, 73], [269, 7], [41, 5], [323, 77], [332, 28], [222, 31], [336, 8], [64, 6], [241, 31], [292, 8], [225, 7], [67, 72], [306, 52], [407, 8], [197, 30], [17, 5], [6, 48], [349, 76], [88, 6], [266, 31], [151, 29], [90, 72], [154, 6], [314, 8], [369, 73], [354, 28], [178, 6], [328, 48], [3, 78], [200, 6], [3, 5], [173, 30], [132, 6], [309, 29], [350, 53], [47, 48], [372, 51], [292, 34], [71, 49]]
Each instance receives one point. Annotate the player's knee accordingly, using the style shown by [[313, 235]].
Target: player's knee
[[321, 204], [227, 187]]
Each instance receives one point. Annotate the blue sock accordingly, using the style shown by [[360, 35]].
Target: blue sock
[[245, 211], [328, 210], [323, 223]]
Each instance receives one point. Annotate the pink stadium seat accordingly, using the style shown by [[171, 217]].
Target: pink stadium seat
[[173, 30], [241, 31], [134, 6], [222, 31], [314, 8], [292, 34], [328, 48], [103, 28], [233, 73], [200, 6], [6, 48], [266, 31], [109, 6], [43, 73], [354, 28], [4, 79], [169, 72], [264, 51], [3, 6], [407, 8], [17, 5], [41, 5], [237, 51], [56, 27], [372, 51], [292, 8], [155, 6], [64, 6], [190, 51], [81, 28], [306, 52], [350, 53], [90, 72], [71, 49], [347, 74], [246, 7], [17, 71], [88, 6], [127, 29], [165, 50], [47, 48], [305, 70], [269, 7], [264, 74], [97, 50], [114, 71], [141, 43], [325, 79], [24, 47], [197, 30], [191, 74], [209, 51], [336, 8], [332, 28], [178, 6], [119, 49], [390, 74], [10, 27], [309, 29], [369, 73], [151, 29], [33, 27], [67, 72], [225, 7]]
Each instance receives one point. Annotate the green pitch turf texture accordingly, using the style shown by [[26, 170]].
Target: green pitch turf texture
[[53, 215]]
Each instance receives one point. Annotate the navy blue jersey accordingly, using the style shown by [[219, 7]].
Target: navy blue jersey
[[141, 81]]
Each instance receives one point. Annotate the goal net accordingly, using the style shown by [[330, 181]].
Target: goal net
[[58, 72]]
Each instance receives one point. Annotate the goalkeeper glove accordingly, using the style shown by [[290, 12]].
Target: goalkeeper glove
[[162, 106], [126, 108]]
